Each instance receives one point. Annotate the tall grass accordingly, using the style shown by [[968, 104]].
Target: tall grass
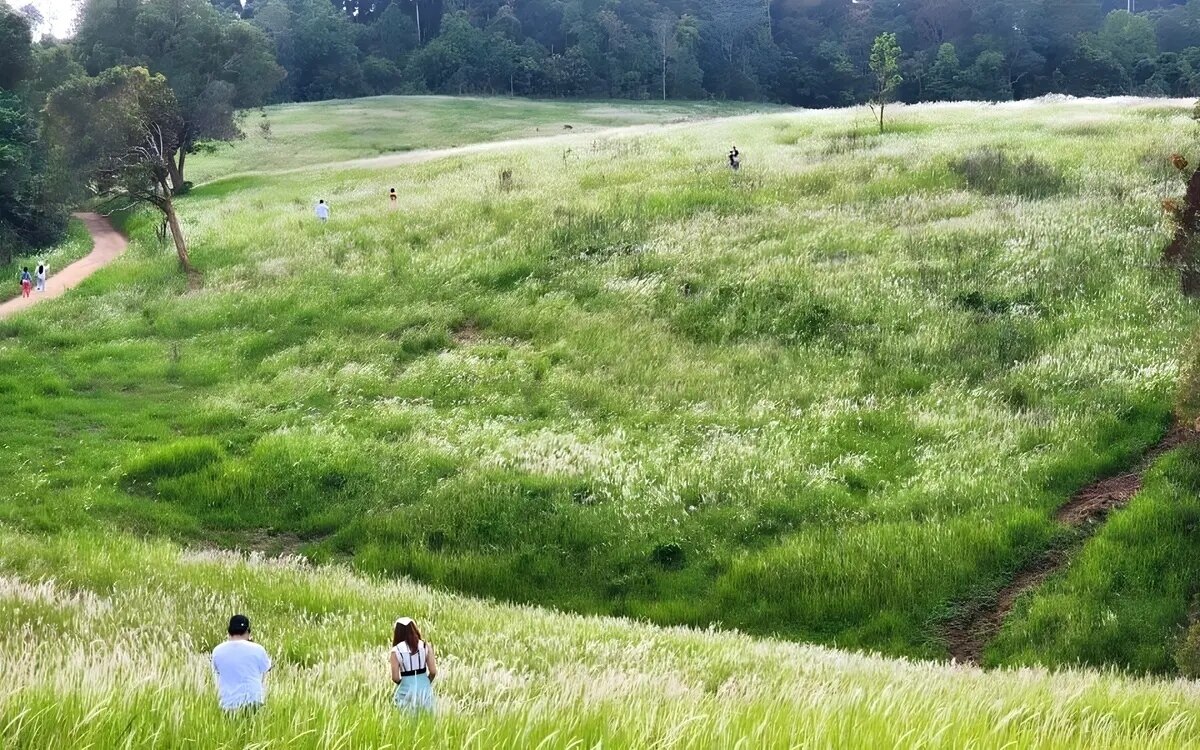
[[824, 398], [299, 135], [1126, 598], [106, 644]]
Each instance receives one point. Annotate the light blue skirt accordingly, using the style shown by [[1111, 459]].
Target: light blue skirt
[[414, 693]]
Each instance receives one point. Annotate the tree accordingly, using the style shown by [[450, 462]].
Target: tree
[[1128, 38], [391, 36], [16, 55], [31, 215], [316, 47], [53, 65], [103, 38], [812, 53], [32, 16], [1173, 75], [885, 66], [117, 133], [665, 30], [31, 212], [215, 63], [1091, 71], [986, 79], [941, 83]]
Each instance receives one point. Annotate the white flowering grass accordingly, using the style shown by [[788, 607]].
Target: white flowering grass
[[826, 398], [297, 136], [106, 644]]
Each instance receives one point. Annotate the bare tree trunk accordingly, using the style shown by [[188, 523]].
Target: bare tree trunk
[[881, 106], [181, 250], [664, 74], [176, 172], [182, 156]]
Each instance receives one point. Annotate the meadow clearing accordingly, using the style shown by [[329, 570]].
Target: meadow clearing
[[830, 397], [299, 135]]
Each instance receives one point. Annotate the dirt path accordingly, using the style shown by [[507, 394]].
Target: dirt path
[[969, 634], [107, 244]]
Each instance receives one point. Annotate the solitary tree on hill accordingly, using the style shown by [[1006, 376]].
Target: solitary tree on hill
[[885, 65]]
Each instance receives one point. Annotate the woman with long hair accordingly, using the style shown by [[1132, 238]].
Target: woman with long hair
[[414, 667]]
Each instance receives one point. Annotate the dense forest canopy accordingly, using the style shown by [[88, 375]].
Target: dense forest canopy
[[31, 210], [811, 53]]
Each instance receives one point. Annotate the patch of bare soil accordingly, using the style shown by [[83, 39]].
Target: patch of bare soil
[[467, 332], [195, 280], [968, 634], [273, 543]]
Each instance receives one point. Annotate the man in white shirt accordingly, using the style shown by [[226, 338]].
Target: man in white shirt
[[241, 666], [323, 211]]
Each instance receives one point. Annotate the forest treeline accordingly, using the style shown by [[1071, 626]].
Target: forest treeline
[[810, 53], [221, 56]]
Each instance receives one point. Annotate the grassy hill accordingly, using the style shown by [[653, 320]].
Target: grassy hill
[[297, 135], [830, 397], [106, 644]]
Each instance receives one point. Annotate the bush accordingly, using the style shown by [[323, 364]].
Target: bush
[[992, 171], [173, 460], [1187, 655]]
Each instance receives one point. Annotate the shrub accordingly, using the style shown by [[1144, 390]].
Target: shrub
[[1187, 655], [992, 171], [173, 460]]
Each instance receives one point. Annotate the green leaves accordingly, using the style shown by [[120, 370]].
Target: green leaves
[[885, 64]]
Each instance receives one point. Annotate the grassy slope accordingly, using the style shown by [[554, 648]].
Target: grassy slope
[[1125, 598], [304, 134], [105, 645], [823, 398]]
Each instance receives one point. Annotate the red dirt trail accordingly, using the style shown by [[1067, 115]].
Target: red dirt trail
[[107, 245], [969, 634]]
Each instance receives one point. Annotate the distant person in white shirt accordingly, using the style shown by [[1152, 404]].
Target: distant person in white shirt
[[41, 277], [241, 666], [322, 211]]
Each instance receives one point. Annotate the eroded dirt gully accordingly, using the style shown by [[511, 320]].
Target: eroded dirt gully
[[968, 634]]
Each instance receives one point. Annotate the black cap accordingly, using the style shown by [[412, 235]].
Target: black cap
[[239, 625]]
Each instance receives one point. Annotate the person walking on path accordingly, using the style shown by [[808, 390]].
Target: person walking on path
[[322, 210], [107, 245], [26, 281], [241, 666], [414, 667], [41, 277]]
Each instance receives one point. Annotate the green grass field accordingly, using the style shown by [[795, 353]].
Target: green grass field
[[827, 398], [298, 135]]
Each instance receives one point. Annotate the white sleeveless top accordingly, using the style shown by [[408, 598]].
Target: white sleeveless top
[[410, 662]]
